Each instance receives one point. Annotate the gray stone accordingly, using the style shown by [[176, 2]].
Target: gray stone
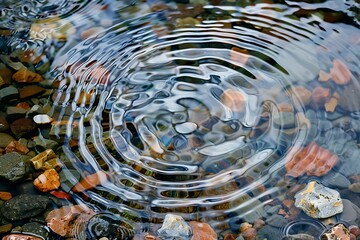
[[35, 228], [5, 139], [276, 220], [45, 143], [174, 227], [318, 201], [300, 236], [13, 166], [335, 179], [8, 93], [350, 213], [269, 233], [24, 206], [273, 209], [285, 119]]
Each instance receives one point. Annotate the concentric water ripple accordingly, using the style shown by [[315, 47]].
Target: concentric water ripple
[[193, 115]]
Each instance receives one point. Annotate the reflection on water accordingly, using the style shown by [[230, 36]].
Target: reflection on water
[[194, 109]]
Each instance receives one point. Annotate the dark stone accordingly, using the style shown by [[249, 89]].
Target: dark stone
[[13, 166], [36, 229], [22, 127], [24, 206]]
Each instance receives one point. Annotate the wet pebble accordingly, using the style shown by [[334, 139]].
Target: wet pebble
[[24, 206], [5, 139], [268, 232], [22, 127], [47, 181], [355, 187], [17, 236], [13, 166], [26, 76], [336, 180], [276, 221], [318, 201], [36, 229], [351, 212], [337, 232], [202, 231], [14, 113], [285, 119], [300, 236], [42, 119], [174, 226]]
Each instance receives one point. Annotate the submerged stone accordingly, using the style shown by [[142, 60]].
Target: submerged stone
[[24, 206], [202, 231], [174, 227], [318, 201], [13, 166], [337, 232], [300, 236]]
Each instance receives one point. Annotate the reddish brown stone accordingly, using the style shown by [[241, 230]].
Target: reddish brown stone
[[249, 234], [63, 220], [5, 196], [234, 100], [6, 74], [320, 95], [30, 91], [22, 127], [202, 231], [340, 73], [15, 146], [312, 160], [17, 236], [26, 76]]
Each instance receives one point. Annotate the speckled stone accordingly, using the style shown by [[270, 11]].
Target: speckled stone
[[13, 166], [24, 206], [318, 201]]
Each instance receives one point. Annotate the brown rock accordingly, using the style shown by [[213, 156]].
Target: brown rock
[[91, 32], [63, 220], [259, 223], [47, 181], [337, 232], [355, 187], [23, 105], [17, 236], [249, 234], [354, 230], [90, 181], [245, 226], [22, 127], [6, 74], [320, 95], [26, 76], [5, 196], [239, 55], [331, 105], [302, 93], [5, 228], [234, 100], [202, 231], [340, 73], [30, 91], [230, 236], [15, 146]]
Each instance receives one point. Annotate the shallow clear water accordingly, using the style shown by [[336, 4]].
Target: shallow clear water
[[151, 94]]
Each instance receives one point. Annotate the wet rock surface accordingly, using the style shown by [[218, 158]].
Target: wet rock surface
[[174, 227], [14, 166], [319, 201], [24, 206]]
